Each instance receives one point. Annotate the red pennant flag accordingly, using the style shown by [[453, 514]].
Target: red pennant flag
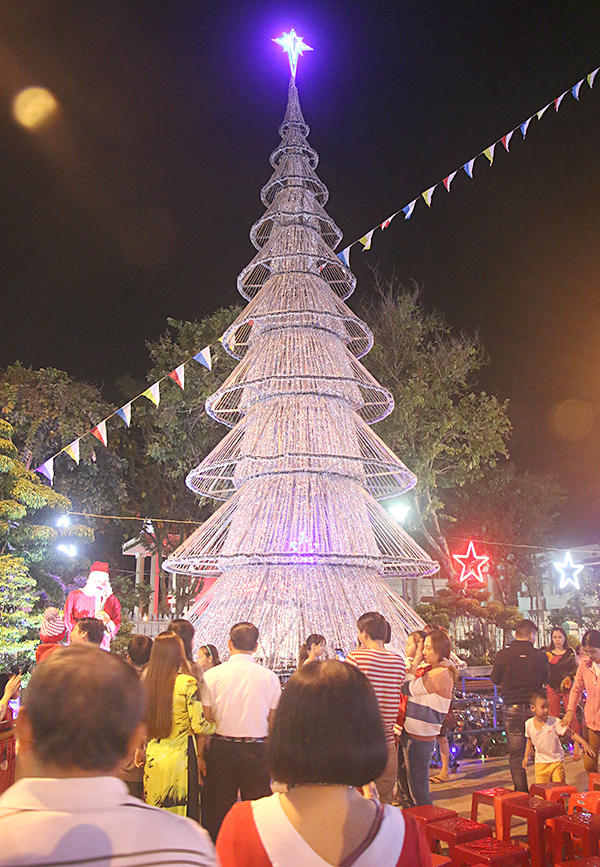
[[100, 432], [506, 139], [178, 375]]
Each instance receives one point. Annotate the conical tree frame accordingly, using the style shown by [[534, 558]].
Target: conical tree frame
[[301, 543]]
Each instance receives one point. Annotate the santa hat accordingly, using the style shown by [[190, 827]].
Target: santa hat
[[52, 628], [98, 566]]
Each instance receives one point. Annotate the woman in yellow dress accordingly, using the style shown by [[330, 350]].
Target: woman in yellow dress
[[174, 716]]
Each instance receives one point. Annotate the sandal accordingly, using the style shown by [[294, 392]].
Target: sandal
[[437, 779]]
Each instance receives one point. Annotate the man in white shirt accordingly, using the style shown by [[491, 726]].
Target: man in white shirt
[[82, 716], [241, 696]]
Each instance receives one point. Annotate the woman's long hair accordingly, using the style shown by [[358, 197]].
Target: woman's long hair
[[166, 660], [315, 638], [567, 644]]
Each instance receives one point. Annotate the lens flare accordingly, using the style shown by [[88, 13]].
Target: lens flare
[[34, 107]]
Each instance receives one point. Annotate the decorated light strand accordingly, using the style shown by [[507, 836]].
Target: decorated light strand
[[367, 239], [124, 412]]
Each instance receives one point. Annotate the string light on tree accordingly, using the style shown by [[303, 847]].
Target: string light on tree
[[471, 565], [569, 572], [294, 46]]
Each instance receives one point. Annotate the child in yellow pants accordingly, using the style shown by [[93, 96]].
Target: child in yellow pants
[[542, 732]]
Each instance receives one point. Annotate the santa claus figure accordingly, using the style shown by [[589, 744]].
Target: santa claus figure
[[97, 600]]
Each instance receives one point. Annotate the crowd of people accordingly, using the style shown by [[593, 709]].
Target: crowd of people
[[116, 756]]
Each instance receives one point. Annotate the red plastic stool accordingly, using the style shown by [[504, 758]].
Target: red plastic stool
[[580, 862], [428, 813], [455, 831], [535, 811], [585, 826], [493, 798], [491, 852], [587, 801], [594, 782], [440, 861], [552, 791]]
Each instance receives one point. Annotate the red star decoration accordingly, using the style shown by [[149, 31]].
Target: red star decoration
[[471, 564]]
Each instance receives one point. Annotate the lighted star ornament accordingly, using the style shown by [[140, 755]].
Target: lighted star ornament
[[294, 46], [569, 572], [471, 564]]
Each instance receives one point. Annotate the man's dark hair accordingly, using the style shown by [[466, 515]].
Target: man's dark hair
[[591, 638], [536, 694], [93, 628], [244, 636], [374, 624], [84, 705], [327, 728], [139, 649], [524, 628], [184, 629], [388, 632]]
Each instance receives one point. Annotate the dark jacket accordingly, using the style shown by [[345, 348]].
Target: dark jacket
[[562, 667], [519, 669]]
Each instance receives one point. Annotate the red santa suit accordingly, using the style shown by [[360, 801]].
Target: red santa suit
[[94, 601]]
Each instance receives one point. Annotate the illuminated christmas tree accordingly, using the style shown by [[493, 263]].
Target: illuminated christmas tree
[[301, 543]]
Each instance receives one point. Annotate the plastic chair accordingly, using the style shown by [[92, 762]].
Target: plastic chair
[[493, 798], [552, 791], [428, 813], [491, 852], [584, 826], [587, 801], [535, 811], [455, 831]]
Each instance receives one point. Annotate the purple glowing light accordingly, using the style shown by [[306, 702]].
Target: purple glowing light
[[294, 46]]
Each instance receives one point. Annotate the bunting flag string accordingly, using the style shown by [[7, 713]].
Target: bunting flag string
[[488, 152], [204, 356], [99, 431]]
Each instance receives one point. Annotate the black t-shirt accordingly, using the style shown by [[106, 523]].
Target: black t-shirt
[[520, 668]]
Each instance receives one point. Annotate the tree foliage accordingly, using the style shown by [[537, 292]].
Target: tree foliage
[[168, 441], [442, 427]]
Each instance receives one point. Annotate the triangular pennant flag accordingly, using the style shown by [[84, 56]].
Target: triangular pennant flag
[[366, 240], [489, 153], [542, 111], [47, 469], [153, 394], [178, 376], [428, 194], [506, 139], [387, 222], [575, 90], [591, 77], [559, 99], [100, 432], [447, 181], [73, 450], [204, 358], [525, 126], [125, 413], [344, 256], [468, 167], [407, 211], [220, 339]]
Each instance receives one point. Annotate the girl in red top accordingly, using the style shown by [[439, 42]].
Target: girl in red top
[[327, 741]]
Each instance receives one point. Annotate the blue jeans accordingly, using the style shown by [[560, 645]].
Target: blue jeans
[[514, 724], [417, 760]]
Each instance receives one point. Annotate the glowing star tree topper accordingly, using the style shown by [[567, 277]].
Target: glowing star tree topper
[[294, 45], [569, 572], [471, 564]]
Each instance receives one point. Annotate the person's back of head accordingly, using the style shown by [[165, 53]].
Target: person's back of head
[[315, 639], [81, 709], [244, 637], [374, 625], [184, 629], [328, 728], [525, 629], [167, 659], [139, 649], [88, 630]]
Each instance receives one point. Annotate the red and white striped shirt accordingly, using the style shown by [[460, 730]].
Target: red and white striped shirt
[[386, 671]]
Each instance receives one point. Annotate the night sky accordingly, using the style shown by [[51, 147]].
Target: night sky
[[135, 202]]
